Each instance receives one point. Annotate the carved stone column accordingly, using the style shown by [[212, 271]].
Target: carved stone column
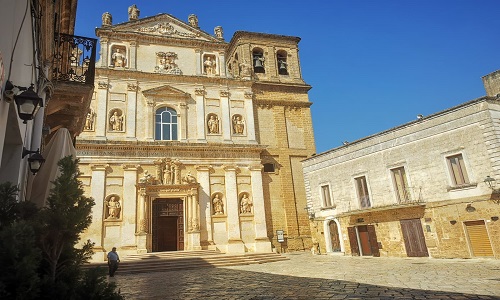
[[183, 121], [200, 111], [104, 52], [98, 192], [129, 204], [222, 64], [205, 204], [250, 122], [235, 244], [262, 243], [142, 222], [198, 62], [101, 109], [226, 116], [149, 120], [131, 110], [133, 55]]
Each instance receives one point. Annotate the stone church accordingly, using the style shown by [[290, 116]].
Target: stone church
[[192, 142]]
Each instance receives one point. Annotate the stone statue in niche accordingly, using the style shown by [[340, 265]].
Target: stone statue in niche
[[114, 207], [213, 124], [116, 121], [107, 19], [171, 171], [218, 205], [133, 13], [118, 58], [209, 65], [193, 20], [238, 124], [89, 120], [246, 204], [166, 63], [219, 33], [189, 178]]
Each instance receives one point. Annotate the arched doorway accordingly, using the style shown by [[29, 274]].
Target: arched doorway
[[334, 236]]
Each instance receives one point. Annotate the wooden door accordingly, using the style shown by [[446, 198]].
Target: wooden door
[[413, 235], [334, 236], [168, 225], [479, 241], [364, 240], [353, 241], [372, 238]]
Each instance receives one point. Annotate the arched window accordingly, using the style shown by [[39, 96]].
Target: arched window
[[166, 124], [282, 63], [258, 60]]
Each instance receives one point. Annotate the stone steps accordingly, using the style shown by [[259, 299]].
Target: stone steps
[[182, 260]]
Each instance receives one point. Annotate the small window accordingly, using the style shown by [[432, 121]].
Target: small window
[[400, 184], [457, 169], [166, 124], [325, 194], [258, 61], [362, 190], [269, 168], [282, 64]]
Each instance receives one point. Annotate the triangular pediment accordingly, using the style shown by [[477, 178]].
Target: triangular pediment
[[166, 91], [164, 25]]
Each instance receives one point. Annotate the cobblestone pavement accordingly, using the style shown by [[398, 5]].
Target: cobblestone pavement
[[305, 276]]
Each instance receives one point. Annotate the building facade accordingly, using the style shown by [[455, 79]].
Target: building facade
[[416, 190], [192, 142], [36, 67]]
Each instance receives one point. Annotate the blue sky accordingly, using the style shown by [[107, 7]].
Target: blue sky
[[372, 64]]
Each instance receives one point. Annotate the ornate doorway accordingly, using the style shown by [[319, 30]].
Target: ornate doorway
[[168, 225], [334, 236]]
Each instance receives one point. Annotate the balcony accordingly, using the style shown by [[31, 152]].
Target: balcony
[[73, 72]]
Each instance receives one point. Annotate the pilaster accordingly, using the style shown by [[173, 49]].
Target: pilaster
[[131, 110], [183, 121], [98, 192], [101, 114], [235, 244], [149, 120], [262, 243], [133, 56], [200, 111], [198, 61], [104, 52], [250, 122], [222, 64], [226, 116], [129, 204], [205, 203]]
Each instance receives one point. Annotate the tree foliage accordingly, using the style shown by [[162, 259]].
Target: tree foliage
[[39, 257]]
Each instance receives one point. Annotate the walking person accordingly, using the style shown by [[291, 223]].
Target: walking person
[[113, 260]]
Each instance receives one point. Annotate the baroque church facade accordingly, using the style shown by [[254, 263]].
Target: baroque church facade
[[192, 142]]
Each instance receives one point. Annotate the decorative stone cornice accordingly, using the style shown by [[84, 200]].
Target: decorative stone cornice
[[100, 167], [154, 150], [102, 85], [204, 168], [255, 167], [284, 103], [224, 93], [132, 87], [200, 92], [248, 95], [231, 168], [130, 167]]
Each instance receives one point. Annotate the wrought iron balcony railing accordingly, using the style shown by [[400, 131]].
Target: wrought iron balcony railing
[[74, 59]]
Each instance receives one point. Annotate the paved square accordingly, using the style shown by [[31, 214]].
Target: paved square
[[305, 276]]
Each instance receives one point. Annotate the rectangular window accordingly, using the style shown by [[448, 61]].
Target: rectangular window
[[400, 184], [457, 169], [362, 189], [325, 194]]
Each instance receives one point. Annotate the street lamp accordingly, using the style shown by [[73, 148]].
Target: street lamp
[[491, 182], [310, 212], [35, 161], [27, 103]]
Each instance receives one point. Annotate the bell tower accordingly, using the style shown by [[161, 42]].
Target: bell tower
[[264, 57]]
